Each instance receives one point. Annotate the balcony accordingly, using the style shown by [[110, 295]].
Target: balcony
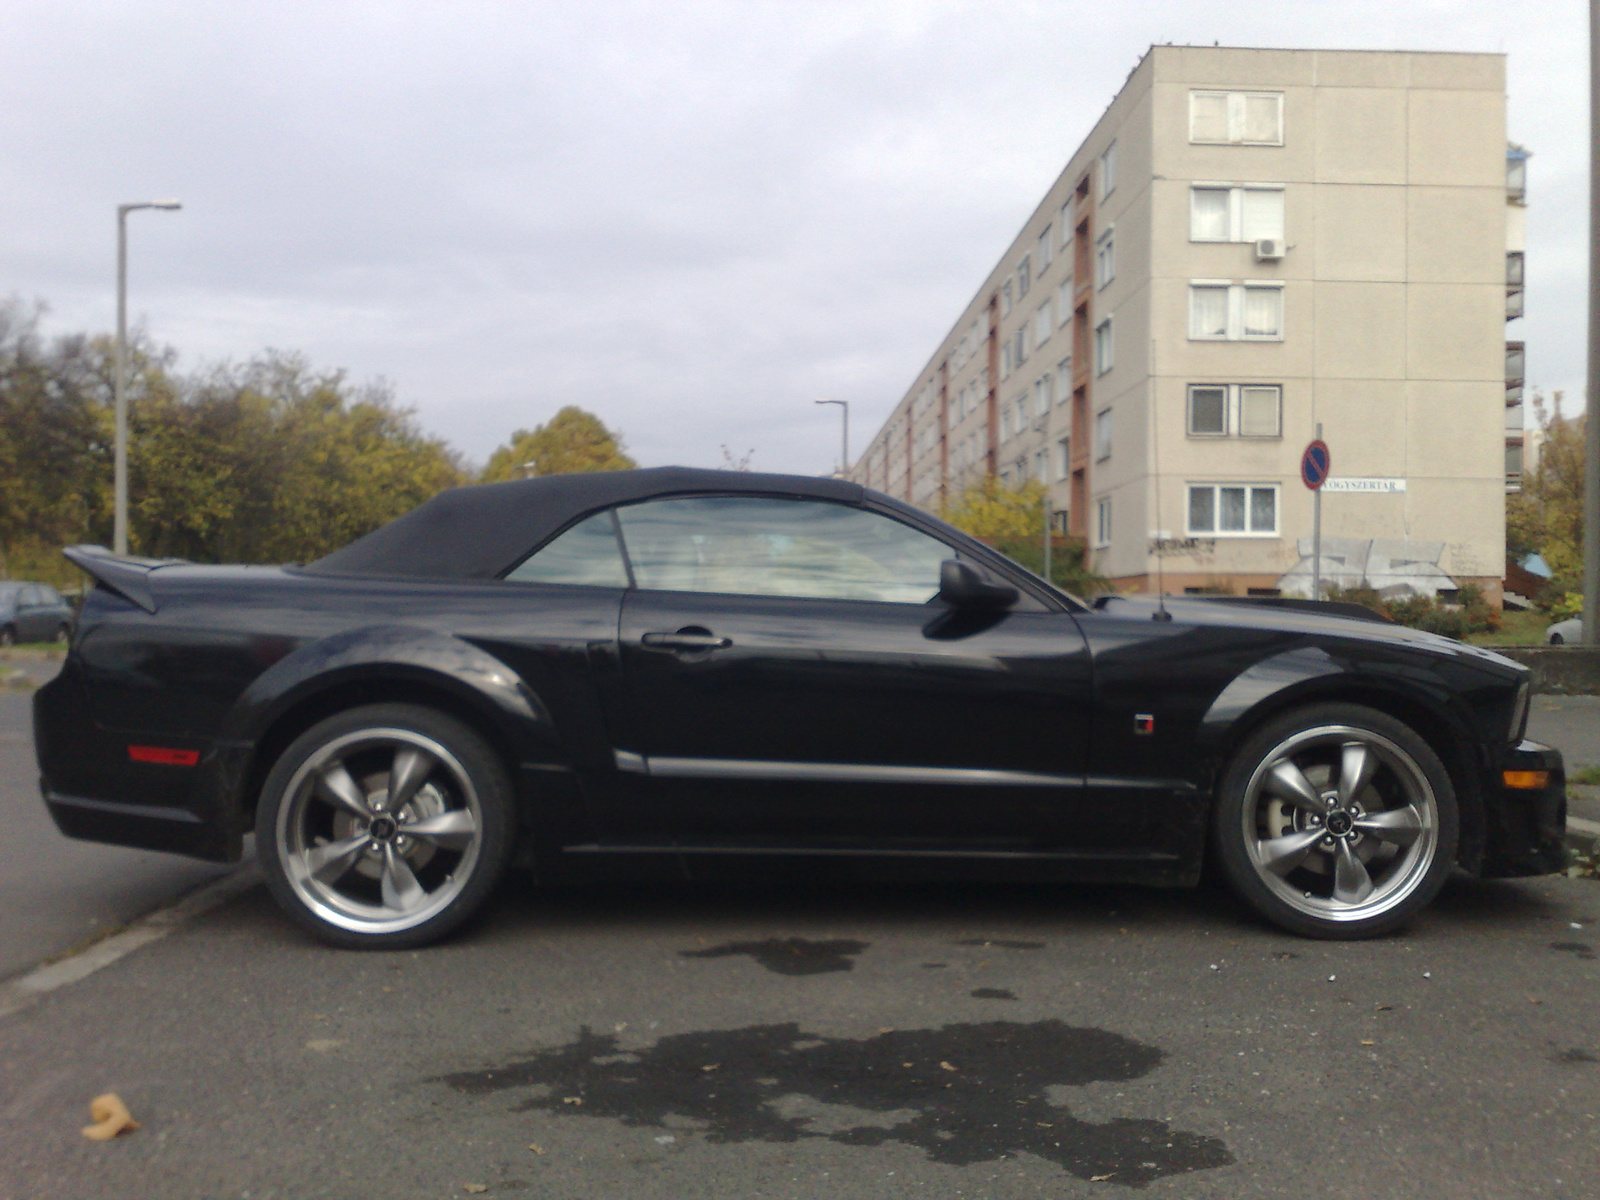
[[1516, 369], [1514, 419]]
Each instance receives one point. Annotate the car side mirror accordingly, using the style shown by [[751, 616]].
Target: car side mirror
[[961, 585]]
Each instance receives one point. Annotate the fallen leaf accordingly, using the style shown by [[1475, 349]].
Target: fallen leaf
[[535, 1147], [1534, 1000], [1368, 1042], [1098, 1178], [323, 1045], [1382, 1007], [905, 1064], [711, 1067], [886, 1029], [110, 1116], [475, 1188], [572, 1099], [944, 1066]]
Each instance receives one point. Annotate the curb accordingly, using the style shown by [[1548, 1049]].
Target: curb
[[24, 990]]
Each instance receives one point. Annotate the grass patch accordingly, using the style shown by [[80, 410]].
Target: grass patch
[[1516, 629], [1585, 776]]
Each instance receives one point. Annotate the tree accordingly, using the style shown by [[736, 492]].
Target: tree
[[1546, 516], [1012, 521], [573, 440]]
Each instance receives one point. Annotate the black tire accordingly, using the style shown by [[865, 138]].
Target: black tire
[[351, 869], [1336, 821], [1557, 640], [8, 636]]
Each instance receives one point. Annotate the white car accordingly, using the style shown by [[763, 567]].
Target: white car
[[1562, 632]]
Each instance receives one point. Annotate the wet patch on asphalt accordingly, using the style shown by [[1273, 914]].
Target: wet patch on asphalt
[[992, 994], [963, 1094], [1581, 949], [790, 956], [1001, 942]]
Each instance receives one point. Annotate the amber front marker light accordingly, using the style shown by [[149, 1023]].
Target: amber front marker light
[[1525, 779]]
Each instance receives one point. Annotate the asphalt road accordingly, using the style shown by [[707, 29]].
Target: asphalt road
[[816, 1041]]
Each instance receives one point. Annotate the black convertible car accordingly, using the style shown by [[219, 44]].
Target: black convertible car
[[693, 672]]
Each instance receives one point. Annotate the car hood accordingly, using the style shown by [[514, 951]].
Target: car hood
[[1328, 619]]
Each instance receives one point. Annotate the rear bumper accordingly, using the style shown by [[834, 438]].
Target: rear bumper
[[1525, 828]]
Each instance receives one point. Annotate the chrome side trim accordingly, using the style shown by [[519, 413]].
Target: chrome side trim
[[725, 768], [633, 764]]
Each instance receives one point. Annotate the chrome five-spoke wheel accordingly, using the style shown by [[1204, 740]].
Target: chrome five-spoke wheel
[[384, 826], [1337, 822]]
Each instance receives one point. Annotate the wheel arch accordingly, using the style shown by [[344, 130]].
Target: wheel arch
[[1321, 679]]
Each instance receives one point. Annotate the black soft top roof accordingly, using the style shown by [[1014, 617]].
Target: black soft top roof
[[479, 532]]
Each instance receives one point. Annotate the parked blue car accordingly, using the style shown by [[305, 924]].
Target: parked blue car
[[32, 612]]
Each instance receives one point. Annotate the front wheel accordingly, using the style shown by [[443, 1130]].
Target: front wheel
[[1336, 821], [385, 827]]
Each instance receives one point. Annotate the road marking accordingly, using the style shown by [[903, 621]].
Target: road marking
[[24, 990]]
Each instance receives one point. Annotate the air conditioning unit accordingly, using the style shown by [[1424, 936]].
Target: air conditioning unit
[[1269, 249]]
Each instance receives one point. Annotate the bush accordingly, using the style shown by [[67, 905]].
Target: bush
[[1470, 613]]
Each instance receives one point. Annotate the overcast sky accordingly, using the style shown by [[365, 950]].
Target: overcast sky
[[690, 218]]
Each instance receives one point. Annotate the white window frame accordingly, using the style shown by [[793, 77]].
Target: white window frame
[[1236, 121], [1024, 275], [1236, 193], [1064, 380], [1041, 465], [1105, 256], [1064, 228], [1236, 301], [1005, 298], [1041, 395], [1232, 411], [1063, 458], [1216, 508], [1043, 325], [1102, 522], [1108, 170], [1064, 302], [1104, 346], [1043, 249], [1102, 435]]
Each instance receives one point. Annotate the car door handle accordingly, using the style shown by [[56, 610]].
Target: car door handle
[[692, 638]]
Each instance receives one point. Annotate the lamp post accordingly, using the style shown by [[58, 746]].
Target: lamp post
[[844, 450], [119, 528]]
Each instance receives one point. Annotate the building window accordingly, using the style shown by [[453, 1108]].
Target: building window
[[1005, 424], [1064, 301], [1043, 250], [1022, 413], [1208, 411], [1108, 170], [1234, 214], [1005, 298], [1019, 349], [1102, 522], [1102, 347], [1041, 396], [1041, 465], [1102, 435], [1064, 458], [1233, 510], [1064, 224], [1064, 380], [1043, 326], [1246, 409], [1105, 267], [1231, 312], [1236, 118], [1005, 360], [1024, 275]]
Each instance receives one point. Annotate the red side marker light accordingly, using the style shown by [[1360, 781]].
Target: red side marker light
[[167, 756], [1144, 724]]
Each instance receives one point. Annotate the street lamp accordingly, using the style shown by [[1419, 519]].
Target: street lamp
[[119, 527], [844, 450]]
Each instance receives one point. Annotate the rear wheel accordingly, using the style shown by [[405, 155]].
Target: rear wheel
[[385, 827], [1336, 821]]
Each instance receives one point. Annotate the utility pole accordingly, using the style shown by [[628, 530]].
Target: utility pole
[[844, 450], [1591, 422], [119, 386]]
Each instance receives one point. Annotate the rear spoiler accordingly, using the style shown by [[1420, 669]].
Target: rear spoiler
[[127, 576]]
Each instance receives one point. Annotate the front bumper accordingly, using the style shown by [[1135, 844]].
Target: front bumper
[[1525, 828]]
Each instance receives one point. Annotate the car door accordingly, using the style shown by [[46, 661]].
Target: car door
[[793, 684], [32, 616]]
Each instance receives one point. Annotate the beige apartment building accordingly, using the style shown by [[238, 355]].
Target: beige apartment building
[[1249, 245]]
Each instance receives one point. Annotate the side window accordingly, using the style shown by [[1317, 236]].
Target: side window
[[586, 554], [31, 597], [766, 546]]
